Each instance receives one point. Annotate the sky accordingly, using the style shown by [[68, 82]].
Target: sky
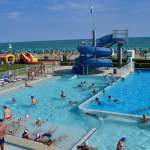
[[33, 20]]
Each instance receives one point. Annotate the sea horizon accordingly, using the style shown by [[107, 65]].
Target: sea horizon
[[70, 44]]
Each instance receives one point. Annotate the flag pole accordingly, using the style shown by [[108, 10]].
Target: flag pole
[[93, 27]]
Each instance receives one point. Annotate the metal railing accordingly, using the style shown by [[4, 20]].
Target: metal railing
[[49, 69], [84, 139]]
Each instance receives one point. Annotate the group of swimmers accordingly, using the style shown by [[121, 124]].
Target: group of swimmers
[[34, 100], [63, 97], [98, 101], [92, 87]]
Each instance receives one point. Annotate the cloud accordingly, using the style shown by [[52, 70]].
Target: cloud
[[14, 15]]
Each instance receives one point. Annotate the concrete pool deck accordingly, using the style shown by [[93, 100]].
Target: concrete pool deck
[[28, 144]]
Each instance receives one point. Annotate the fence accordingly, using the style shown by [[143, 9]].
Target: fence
[[23, 72]]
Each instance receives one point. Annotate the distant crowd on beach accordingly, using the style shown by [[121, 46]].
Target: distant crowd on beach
[[55, 54]]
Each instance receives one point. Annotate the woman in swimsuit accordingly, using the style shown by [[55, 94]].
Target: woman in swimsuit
[[7, 113]]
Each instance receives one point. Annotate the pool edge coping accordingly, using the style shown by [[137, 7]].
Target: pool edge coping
[[29, 144]]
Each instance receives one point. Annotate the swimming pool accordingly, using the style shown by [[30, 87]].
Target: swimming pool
[[132, 93], [51, 108], [69, 120]]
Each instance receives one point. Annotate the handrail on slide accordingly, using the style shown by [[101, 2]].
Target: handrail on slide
[[84, 139]]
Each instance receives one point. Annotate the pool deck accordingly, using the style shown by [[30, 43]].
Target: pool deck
[[28, 144]]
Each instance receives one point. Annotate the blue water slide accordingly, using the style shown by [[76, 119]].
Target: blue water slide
[[98, 62], [97, 51], [92, 61], [109, 40]]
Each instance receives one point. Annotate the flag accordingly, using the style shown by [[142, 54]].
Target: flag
[[91, 10]]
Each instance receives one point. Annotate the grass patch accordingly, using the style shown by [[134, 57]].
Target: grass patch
[[6, 67]]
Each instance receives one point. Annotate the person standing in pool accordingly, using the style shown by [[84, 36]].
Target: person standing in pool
[[94, 91], [7, 113], [92, 86], [13, 100], [145, 119], [62, 94], [109, 97], [34, 101], [121, 144], [98, 102], [3, 132]]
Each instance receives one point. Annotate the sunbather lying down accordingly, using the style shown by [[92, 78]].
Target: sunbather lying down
[[44, 138]]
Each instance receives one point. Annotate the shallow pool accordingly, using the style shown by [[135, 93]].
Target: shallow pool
[[52, 109], [132, 93]]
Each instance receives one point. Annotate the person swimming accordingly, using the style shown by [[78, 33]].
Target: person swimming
[[62, 94], [121, 144], [94, 91], [144, 119], [39, 122], [97, 101], [26, 134], [82, 84], [109, 97], [116, 100], [92, 86], [72, 103], [13, 100], [34, 101]]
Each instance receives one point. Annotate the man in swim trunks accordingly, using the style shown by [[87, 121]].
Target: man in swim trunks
[[3, 132], [121, 144], [7, 113]]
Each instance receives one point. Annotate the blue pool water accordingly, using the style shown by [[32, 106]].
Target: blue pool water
[[133, 94], [51, 107], [70, 120]]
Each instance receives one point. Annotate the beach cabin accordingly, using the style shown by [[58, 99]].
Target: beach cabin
[[7, 58]]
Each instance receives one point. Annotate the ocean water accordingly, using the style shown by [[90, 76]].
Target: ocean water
[[71, 45]]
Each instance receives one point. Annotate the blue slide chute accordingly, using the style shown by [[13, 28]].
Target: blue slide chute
[[98, 56], [98, 51]]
